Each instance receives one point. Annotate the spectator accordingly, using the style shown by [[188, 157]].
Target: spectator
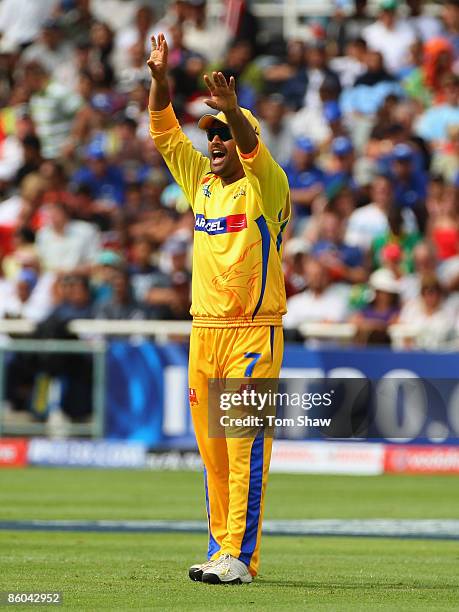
[[276, 128], [23, 209], [106, 181], [135, 70], [82, 207], [288, 77], [305, 177], [446, 159], [344, 263], [139, 33], [341, 165], [410, 184], [20, 20], [373, 320], [351, 65], [52, 108], [358, 20], [390, 36], [64, 244], [317, 72], [426, 83], [54, 53], [295, 253], [370, 221], [320, 302], [238, 63], [310, 121], [170, 295], [143, 274], [199, 35], [395, 236], [443, 225], [122, 304], [434, 123], [17, 304], [375, 72], [431, 314], [426, 26], [73, 302]]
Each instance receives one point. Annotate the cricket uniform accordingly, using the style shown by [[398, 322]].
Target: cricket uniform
[[238, 299]]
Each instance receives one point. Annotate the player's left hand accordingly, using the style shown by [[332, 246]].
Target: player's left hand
[[223, 93]]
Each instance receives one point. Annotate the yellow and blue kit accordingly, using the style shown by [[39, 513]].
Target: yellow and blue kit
[[238, 299]]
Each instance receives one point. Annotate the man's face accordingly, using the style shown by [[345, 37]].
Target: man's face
[[316, 275], [34, 80], [303, 159], [382, 191], [450, 15], [224, 160]]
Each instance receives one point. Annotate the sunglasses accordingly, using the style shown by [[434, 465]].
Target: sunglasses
[[223, 132]]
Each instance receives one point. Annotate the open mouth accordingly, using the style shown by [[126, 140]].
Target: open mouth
[[217, 156]]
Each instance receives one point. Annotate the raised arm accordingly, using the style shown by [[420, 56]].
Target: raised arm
[[263, 172], [223, 98], [186, 164], [157, 62]]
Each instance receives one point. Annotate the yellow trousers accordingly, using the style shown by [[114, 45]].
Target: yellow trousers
[[235, 469]]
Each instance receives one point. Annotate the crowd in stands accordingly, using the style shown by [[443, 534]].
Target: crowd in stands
[[362, 112]]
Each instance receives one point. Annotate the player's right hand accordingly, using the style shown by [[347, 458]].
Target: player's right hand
[[157, 62]]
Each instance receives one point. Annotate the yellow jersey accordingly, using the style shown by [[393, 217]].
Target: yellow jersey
[[237, 276]]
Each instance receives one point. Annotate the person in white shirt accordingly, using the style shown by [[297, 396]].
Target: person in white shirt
[[431, 314], [321, 301], [425, 26], [276, 128], [65, 244], [390, 36], [139, 32], [54, 53], [370, 221], [202, 37], [20, 20]]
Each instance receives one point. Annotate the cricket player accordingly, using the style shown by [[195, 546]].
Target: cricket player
[[240, 199]]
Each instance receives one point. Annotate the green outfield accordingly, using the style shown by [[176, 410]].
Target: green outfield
[[126, 571]]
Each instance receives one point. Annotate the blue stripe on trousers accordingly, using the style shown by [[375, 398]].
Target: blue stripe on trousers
[[252, 521], [213, 544]]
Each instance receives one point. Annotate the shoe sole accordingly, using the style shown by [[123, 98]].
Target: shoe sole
[[214, 579]]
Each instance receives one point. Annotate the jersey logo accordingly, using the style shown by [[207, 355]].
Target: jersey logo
[[223, 225], [206, 191], [239, 194], [192, 396]]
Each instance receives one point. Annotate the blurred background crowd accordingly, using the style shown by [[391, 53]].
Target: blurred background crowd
[[362, 112]]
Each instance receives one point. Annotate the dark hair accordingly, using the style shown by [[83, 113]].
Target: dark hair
[[25, 234], [30, 140]]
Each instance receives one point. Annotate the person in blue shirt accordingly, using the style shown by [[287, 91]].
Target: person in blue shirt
[[410, 183], [344, 262], [342, 150], [105, 180], [305, 177]]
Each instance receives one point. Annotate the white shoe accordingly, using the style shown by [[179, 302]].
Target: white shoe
[[196, 571], [227, 570]]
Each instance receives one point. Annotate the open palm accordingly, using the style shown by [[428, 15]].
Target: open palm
[[157, 62], [223, 93]]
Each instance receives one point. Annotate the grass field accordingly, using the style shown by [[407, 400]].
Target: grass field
[[149, 571]]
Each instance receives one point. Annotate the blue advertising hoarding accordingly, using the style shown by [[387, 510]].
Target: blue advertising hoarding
[[147, 391]]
